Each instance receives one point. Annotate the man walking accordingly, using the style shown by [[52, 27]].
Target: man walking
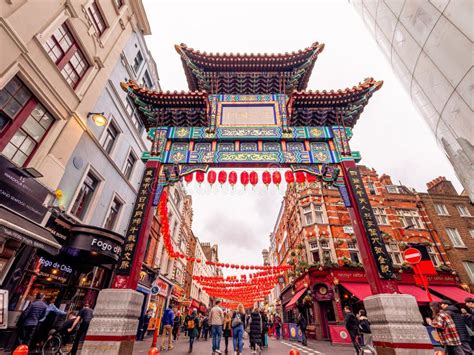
[[85, 316], [352, 326], [302, 323], [216, 320], [459, 323], [31, 317], [168, 321]]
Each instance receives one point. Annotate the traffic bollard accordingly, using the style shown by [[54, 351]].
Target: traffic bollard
[[294, 352], [21, 350], [153, 351]]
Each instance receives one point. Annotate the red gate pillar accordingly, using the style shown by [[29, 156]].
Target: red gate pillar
[[116, 315], [396, 322]]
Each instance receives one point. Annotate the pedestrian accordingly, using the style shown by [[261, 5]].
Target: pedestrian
[[277, 325], [352, 326], [227, 333], [192, 326], [303, 323], [254, 327], [264, 329], [237, 323], [365, 332], [176, 326], [84, 317], [205, 327], [448, 335], [459, 323], [30, 318], [216, 320], [469, 318], [168, 320], [145, 321], [200, 317], [46, 323]]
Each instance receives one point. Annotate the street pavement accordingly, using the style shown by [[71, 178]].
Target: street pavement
[[276, 347]]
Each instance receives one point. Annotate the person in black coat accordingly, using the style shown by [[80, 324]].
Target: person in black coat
[[352, 326], [458, 320], [264, 329], [255, 327], [303, 323], [469, 316]]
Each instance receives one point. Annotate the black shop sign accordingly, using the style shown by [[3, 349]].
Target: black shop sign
[[23, 195], [377, 246], [136, 222]]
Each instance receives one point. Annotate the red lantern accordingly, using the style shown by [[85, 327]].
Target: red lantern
[[188, 178], [266, 178], [289, 177], [244, 178], [199, 177], [253, 178], [232, 178], [276, 177], [300, 177], [222, 177], [211, 177], [311, 178]]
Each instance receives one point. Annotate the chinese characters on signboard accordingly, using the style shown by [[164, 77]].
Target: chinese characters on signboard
[[379, 252], [135, 225]]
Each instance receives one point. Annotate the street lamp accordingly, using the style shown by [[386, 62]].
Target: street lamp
[[98, 118]]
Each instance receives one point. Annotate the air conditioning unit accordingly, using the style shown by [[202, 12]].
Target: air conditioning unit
[[348, 229]]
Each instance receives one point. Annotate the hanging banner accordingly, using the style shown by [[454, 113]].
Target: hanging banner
[[135, 225], [377, 246]]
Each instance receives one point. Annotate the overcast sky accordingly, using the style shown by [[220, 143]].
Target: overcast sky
[[391, 136]]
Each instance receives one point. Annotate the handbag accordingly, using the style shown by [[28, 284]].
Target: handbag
[[236, 321]]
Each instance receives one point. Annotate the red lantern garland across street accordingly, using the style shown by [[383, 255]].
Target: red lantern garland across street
[[266, 178], [289, 177], [253, 178], [232, 178], [211, 177], [244, 178], [276, 177]]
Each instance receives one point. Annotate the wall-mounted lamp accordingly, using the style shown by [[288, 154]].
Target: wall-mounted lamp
[[98, 118]]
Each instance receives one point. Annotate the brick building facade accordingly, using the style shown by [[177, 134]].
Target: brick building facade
[[452, 216]]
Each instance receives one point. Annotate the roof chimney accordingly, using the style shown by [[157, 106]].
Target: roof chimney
[[441, 186]]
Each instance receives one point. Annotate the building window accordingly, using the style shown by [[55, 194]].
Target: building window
[[28, 119], [97, 18], [129, 165], [469, 266], [320, 251], [110, 137], [392, 189], [132, 111], [463, 211], [441, 209], [63, 49], [395, 254], [371, 187], [433, 255], [307, 215], [353, 251], [118, 3], [313, 214], [137, 62], [471, 233], [410, 218], [84, 197], [456, 239], [147, 80], [114, 212], [380, 215]]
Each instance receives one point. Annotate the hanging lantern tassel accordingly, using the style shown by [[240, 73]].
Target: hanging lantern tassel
[[211, 177], [289, 177], [276, 177], [188, 178], [266, 178], [244, 178], [253, 179], [199, 177], [232, 178], [222, 177]]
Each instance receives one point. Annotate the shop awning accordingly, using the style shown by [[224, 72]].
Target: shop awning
[[295, 299], [16, 227], [452, 292], [418, 293], [360, 290]]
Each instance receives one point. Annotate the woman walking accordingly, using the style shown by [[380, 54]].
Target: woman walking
[[237, 324], [192, 325], [448, 335], [227, 329], [255, 326], [176, 326]]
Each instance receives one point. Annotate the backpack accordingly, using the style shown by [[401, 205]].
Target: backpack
[[191, 323], [364, 326]]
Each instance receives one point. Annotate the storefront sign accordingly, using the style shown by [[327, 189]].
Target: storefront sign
[[202, 309], [377, 246], [353, 276], [177, 291], [22, 195], [53, 270], [3, 309], [135, 225], [163, 287]]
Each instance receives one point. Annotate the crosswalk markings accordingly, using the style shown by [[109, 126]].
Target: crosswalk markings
[[301, 348]]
